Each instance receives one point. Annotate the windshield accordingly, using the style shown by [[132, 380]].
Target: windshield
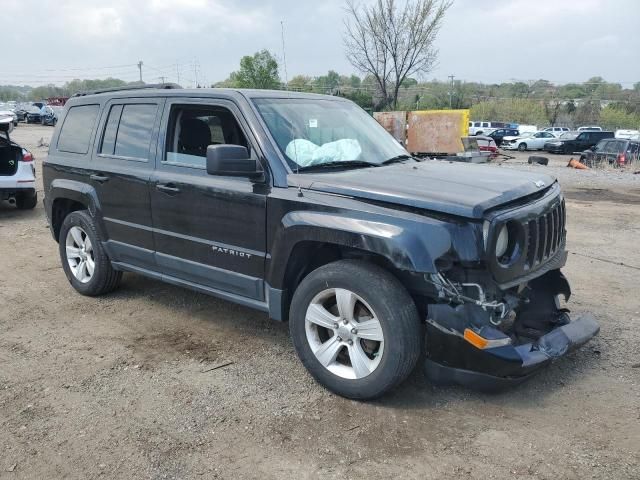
[[568, 136], [312, 132]]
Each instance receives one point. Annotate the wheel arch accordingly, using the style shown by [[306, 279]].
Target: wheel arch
[[302, 246], [67, 196]]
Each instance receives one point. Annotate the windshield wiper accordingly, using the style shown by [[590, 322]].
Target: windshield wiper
[[398, 159], [337, 164]]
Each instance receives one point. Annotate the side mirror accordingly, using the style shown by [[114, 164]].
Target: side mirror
[[231, 161]]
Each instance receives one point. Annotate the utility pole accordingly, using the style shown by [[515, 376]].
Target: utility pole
[[162, 79], [178, 72], [451, 77], [140, 68], [195, 73], [284, 57]]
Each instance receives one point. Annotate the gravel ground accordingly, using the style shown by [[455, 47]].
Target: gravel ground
[[125, 386]]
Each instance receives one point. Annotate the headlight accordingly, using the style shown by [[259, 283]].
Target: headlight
[[503, 241]]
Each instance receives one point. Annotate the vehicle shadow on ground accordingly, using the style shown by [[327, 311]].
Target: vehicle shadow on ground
[[417, 393], [201, 308], [10, 212]]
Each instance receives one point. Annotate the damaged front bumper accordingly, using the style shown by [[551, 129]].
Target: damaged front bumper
[[460, 350], [497, 368]]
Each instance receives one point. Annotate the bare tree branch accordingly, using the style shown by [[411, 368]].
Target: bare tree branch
[[392, 43]]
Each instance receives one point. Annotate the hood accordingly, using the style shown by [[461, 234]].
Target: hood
[[454, 188]]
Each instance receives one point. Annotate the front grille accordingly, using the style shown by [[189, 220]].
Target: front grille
[[545, 236]]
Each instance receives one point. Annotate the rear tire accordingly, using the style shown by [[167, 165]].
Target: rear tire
[[26, 201], [341, 298], [80, 241]]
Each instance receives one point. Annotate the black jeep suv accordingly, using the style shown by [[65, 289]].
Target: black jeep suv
[[582, 141], [302, 206]]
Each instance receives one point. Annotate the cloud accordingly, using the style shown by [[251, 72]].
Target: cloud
[[488, 40], [605, 41], [542, 13], [94, 22]]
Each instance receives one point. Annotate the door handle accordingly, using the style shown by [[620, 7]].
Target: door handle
[[99, 178], [168, 188]]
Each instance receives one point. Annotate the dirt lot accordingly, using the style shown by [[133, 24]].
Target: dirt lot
[[123, 387]]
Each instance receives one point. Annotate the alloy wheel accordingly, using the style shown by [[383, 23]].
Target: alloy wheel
[[344, 333], [79, 252]]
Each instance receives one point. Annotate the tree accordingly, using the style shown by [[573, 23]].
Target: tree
[[327, 83], [552, 107], [259, 70], [392, 42], [613, 118], [300, 83]]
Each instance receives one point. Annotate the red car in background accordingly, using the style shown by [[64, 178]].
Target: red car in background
[[487, 144]]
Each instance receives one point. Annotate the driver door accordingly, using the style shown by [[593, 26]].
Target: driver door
[[209, 231]]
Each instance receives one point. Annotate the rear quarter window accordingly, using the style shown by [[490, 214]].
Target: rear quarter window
[[75, 135], [128, 131]]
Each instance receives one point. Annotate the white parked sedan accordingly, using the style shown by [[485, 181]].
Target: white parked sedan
[[530, 141]]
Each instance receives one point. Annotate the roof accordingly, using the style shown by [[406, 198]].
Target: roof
[[172, 90]]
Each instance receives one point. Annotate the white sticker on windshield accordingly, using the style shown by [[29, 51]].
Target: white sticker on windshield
[[313, 123]]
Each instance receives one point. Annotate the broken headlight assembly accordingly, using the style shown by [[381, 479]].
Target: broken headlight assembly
[[508, 243]]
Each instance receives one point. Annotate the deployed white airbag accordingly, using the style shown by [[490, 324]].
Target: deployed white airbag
[[306, 153]]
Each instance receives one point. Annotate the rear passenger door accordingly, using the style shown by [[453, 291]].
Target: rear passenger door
[[209, 230], [121, 169]]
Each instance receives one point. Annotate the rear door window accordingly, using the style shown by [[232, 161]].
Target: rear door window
[[128, 130], [617, 146], [77, 130]]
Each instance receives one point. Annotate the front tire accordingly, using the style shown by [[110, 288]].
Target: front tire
[[84, 261], [522, 147], [355, 328]]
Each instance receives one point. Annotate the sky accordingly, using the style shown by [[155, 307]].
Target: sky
[[489, 41]]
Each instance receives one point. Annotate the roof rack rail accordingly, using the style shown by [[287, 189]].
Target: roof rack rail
[[165, 86]]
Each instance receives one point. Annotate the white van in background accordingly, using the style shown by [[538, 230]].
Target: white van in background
[[527, 129], [628, 134], [484, 128]]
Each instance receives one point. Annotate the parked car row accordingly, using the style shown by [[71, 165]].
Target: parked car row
[[487, 128], [36, 112]]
